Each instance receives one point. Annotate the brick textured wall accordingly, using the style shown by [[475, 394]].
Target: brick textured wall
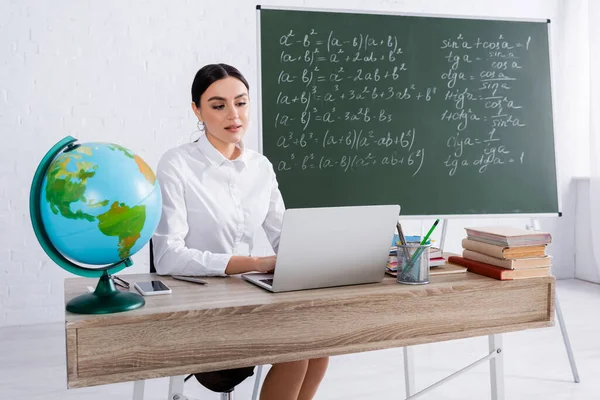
[[121, 72]]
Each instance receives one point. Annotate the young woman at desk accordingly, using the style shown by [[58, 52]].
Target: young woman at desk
[[216, 194]]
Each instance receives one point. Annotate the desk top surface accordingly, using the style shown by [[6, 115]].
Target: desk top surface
[[234, 294]]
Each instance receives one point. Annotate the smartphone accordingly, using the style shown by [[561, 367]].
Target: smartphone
[[152, 288], [189, 279]]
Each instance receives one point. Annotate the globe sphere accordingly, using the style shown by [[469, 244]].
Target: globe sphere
[[100, 203]]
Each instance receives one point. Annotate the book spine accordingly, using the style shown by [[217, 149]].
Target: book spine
[[473, 255], [508, 241], [436, 262], [479, 268], [484, 248], [487, 241]]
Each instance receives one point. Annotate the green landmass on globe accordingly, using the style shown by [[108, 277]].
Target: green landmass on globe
[[66, 188]]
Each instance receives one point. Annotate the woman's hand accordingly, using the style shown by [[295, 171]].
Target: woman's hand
[[241, 264], [266, 264]]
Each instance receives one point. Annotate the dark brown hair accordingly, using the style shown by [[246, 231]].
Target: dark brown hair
[[211, 73]]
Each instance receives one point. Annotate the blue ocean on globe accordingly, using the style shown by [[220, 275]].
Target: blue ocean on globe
[[100, 203]]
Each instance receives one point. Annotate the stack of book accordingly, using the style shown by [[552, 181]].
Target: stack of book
[[435, 257], [505, 253]]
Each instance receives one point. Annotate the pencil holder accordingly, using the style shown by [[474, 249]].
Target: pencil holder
[[413, 264]]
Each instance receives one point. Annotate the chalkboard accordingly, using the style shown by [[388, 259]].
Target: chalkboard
[[443, 116]]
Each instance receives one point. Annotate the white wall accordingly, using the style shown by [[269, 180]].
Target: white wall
[[121, 71], [585, 262]]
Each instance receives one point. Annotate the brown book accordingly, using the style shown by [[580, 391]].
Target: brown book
[[508, 236], [522, 263], [502, 274], [504, 252]]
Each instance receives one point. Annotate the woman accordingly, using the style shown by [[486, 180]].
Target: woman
[[216, 194]]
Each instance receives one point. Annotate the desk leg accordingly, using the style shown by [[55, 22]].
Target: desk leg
[[497, 367], [256, 390], [493, 354], [138, 390], [409, 376], [176, 388], [565, 335]]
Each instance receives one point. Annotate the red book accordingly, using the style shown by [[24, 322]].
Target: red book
[[502, 274]]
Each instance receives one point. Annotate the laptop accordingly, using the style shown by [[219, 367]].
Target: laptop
[[332, 246]]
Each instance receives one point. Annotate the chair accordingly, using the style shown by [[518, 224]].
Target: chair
[[206, 379]]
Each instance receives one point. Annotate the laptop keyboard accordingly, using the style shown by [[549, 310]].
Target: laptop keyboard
[[267, 281]]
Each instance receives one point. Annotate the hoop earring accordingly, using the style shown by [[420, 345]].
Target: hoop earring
[[202, 127]]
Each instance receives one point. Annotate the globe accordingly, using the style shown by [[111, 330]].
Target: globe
[[95, 204]]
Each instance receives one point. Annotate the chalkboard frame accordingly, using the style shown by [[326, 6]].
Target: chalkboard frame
[[259, 8]]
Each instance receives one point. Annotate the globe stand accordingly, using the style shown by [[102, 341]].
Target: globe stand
[[106, 299]]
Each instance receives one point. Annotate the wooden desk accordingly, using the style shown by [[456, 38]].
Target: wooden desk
[[232, 323]]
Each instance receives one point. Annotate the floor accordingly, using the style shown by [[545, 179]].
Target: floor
[[536, 366]]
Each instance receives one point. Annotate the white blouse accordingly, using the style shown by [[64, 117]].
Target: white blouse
[[212, 207]]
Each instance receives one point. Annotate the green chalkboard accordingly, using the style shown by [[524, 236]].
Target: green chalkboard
[[444, 116]]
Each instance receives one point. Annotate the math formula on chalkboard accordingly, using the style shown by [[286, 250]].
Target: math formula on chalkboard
[[357, 100]]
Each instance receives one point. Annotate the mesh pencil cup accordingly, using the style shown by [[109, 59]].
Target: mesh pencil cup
[[413, 264]]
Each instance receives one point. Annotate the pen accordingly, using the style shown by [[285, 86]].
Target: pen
[[402, 240], [121, 282], [423, 242]]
